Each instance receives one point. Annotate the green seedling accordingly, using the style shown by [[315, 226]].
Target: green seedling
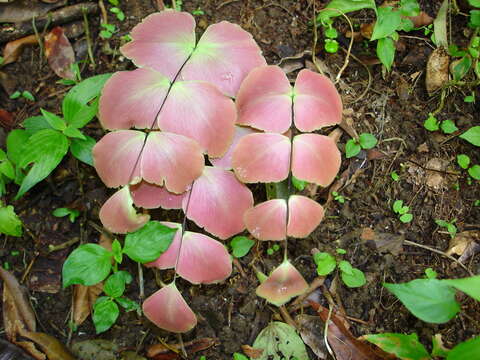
[[6, 265], [402, 211], [394, 175], [472, 135], [25, 94], [464, 162], [450, 226], [10, 223], [71, 213], [108, 30], [338, 197], [327, 263], [432, 124], [199, 11], [273, 249], [241, 245], [118, 13], [364, 141]]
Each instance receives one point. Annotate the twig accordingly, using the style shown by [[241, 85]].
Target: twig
[[89, 39], [225, 3], [325, 332], [408, 242], [286, 316], [140, 282], [370, 78], [316, 283], [52, 248]]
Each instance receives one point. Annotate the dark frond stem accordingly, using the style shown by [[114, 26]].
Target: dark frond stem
[[184, 228]]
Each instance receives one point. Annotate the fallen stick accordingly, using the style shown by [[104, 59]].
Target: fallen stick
[[62, 16]]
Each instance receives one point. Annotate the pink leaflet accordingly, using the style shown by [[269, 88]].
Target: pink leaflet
[[262, 157], [162, 41], [198, 110], [217, 202], [264, 100], [315, 159], [115, 157], [167, 309], [225, 162], [304, 216], [151, 196], [132, 99], [317, 103], [224, 56], [266, 221], [118, 214], [284, 283], [171, 160]]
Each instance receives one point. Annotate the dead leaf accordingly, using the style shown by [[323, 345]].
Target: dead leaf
[[172, 351], [343, 343], [53, 348], [30, 348], [311, 331], [96, 349], [422, 19], [461, 241], [251, 352], [59, 53], [9, 351], [383, 242], [17, 312], [6, 119], [435, 179], [8, 83], [437, 70], [84, 298], [14, 49]]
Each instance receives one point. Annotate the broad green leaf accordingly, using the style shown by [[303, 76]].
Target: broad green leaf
[[386, 52], [355, 278], [388, 20], [114, 286], [409, 7], [241, 245], [397, 206], [344, 6], [367, 141], [475, 3], [53, 120], [3, 155], [84, 115], [117, 251], [73, 132], [474, 172], [463, 161], [82, 149], [352, 148], [406, 218], [441, 223], [10, 223], [105, 313], [36, 123], [474, 18], [431, 124], [16, 139], [325, 262], [280, 341], [82, 94], [466, 350], [127, 304], [149, 242], [45, 149], [460, 69], [87, 265], [7, 169], [405, 347], [472, 135], [430, 300], [448, 126], [469, 285]]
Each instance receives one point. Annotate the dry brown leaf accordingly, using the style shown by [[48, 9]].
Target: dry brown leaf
[[437, 70], [53, 348], [461, 241], [59, 53], [14, 49], [422, 19], [84, 298], [343, 343], [311, 331], [17, 312], [30, 348], [383, 242], [6, 119], [251, 352], [172, 351], [436, 179]]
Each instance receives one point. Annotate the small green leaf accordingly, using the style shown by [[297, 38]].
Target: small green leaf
[[71, 213], [105, 313], [28, 95], [388, 21], [461, 68], [10, 223], [84, 115], [463, 161], [403, 210], [36, 123], [299, 184], [149, 242], [401, 345], [87, 265], [241, 245], [16, 140], [331, 46], [325, 262], [121, 16], [431, 124], [352, 148], [386, 52], [238, 356], [115, 284], [105, 34], [394, 175], [448, 126], [475, 3], [397, 206], [430, 273], [441, 223], [430, 300], [117, 251], [472, 135], [354, 278], [73, 132], [15, 95], [82, 149], [470, 285], [474, 172], [331, 33], [7, 169], [406, 218], [127, 304], [55, 121], [474, 18], [341, 251], [409, 7], [469, 99], [466, 350], [367, 141]]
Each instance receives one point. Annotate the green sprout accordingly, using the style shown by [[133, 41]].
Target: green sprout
[[450, 226], [364, 141], [71, 213], [326, 263], [402, 211], [25, 94]]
